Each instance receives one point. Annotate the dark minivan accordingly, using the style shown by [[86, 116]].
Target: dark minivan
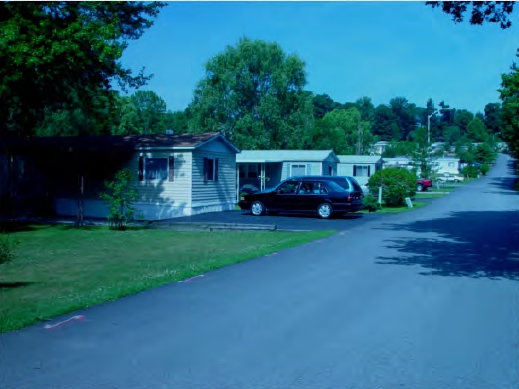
[[306, 194]]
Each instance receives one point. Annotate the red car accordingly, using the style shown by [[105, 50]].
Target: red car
[[423, 184]]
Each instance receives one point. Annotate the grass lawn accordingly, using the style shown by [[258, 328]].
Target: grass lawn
[[425, 195], [401, 209], [60, 269]]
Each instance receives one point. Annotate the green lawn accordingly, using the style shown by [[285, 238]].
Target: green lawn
[[426, 195], [60, 269], [401, 209]]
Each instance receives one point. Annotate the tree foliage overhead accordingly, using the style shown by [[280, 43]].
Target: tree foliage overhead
[[54, 55], [253, 93], [481, 11]]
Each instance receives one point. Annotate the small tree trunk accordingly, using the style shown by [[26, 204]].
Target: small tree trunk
[[80, 210]]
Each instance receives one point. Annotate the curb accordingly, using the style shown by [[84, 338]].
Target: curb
[[200, 226]]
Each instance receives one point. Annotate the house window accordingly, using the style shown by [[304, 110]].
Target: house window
[[361, 171], [156, 168], [298, 170], [451, 164], [210, 169]]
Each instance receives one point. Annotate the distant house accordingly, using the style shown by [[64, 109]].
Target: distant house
[[175, 175], [378, 148], [359, 166], [447, 165], [400, 162], [262, 169]]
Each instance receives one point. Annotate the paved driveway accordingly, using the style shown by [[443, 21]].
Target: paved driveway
[[284, 222], [426, 300]]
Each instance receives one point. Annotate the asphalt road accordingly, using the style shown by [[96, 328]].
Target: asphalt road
[[424, 300]]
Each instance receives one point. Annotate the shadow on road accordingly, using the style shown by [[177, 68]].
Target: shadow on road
[[469, 244]]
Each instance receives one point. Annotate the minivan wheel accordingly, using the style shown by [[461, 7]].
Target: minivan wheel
[[257, 208], [324, 210]]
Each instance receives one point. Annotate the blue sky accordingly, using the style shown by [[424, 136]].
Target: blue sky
[[351, 49]]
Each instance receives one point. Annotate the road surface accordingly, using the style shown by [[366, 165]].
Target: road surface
[[424, 300]]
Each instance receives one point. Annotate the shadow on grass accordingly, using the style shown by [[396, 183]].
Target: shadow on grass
[[467, 244], [11, 285]]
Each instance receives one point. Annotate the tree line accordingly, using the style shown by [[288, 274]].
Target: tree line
[[253, 92]]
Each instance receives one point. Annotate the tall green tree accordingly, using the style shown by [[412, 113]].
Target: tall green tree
[[477, 131], [385, 125], [253, 93], [406, 114], [54, 54], [323, 104], [462, 118], [366, 108], [344, 131], [509, 94], [493, 120]]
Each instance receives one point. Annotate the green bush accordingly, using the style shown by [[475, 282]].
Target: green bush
[[6, 248], [370, 203], [397, 184], [484, 169], [120, 199], [470, 172]]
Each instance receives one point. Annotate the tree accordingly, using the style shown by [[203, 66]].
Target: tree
[[344, 131], [451, 134], [120, 197], [366, 108], [484, 11], [462, 118], [253, 93], [405, 113], [322, 104], [386, 124], [493, 120], [398, 149], [509, 94], [484, 153], [54, 54], [477, 131]]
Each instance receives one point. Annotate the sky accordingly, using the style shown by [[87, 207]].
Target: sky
[[351, 49]]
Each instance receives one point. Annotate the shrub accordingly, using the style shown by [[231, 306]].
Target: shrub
[[6, 248], [371, 203], [397, 184], [120, 199], [484, 169], [470, 172]]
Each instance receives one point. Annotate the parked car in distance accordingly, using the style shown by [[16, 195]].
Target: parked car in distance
[[447, 177], [307, 194], [422, 184]]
